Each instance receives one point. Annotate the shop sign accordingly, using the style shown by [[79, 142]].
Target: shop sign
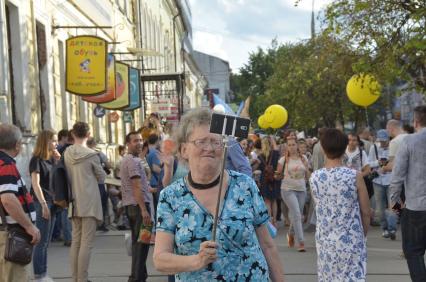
[[86, 65], [122, 98], [135, 90], [108, 95]]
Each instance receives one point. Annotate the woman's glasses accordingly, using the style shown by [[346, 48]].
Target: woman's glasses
[[206, 143]]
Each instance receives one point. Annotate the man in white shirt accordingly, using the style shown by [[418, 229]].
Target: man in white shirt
[[378, 158], [354, 158], [394, 128]]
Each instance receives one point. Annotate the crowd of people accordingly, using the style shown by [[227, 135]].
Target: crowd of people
[[168, 186]]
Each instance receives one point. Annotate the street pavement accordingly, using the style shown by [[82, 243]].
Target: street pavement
[[110, 263]]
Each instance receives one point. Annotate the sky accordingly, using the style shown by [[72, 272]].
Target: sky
[[231, 29]]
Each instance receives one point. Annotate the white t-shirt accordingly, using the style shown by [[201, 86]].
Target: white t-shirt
[[395, 143], [353, 159], [254, 156], [294, 174]]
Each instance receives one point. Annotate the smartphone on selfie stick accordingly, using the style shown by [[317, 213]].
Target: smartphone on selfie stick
[[228, 126]]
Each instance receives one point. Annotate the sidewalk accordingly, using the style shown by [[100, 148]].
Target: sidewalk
[[110, 263]]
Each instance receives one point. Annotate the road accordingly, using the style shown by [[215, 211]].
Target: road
[[110, 263]]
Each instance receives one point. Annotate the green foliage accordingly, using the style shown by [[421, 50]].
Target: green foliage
[[383, 37], [389, 34], [310, 81], [308, 78], [253, 77]]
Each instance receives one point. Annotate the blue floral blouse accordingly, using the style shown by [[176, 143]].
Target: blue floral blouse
[[240, 257]]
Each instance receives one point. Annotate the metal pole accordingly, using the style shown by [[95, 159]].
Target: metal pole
[[222, 173]]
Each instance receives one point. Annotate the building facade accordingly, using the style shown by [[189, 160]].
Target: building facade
[[145, 34], [217, 72]]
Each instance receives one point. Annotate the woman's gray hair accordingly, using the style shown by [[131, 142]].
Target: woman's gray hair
[[192, 119], [9, 136]]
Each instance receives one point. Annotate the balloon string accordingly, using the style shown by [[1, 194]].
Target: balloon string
[[366, 118]]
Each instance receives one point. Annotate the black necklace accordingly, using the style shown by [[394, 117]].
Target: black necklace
[[200, 186]]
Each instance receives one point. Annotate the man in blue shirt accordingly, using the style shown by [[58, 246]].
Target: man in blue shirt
[[236, 160], [153, 160]]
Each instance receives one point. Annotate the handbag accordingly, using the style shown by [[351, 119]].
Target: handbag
[[18, 247], [145, 233]]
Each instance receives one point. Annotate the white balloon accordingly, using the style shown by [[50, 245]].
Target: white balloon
[[219, 109]]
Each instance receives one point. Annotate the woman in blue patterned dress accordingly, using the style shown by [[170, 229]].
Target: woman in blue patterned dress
[[343, 214], [244, 250]]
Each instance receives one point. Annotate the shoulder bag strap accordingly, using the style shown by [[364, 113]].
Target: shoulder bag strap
[[360, 156], [2, 215], [270, 158], [377, 153], [284, 164]]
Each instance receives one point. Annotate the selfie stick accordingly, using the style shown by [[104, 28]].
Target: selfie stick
[[222, 173]]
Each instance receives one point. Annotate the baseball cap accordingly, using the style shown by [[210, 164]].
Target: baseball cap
[[382, 135]]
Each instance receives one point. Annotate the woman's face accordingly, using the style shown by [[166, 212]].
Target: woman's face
[[303, 148], [203, 149], [53, 143], [244, 144], [292, 134], [292, 146]]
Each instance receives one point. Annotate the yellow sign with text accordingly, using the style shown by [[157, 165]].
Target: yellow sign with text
[[86, 65]]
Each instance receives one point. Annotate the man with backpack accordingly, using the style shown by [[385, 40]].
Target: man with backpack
[[84, 171]]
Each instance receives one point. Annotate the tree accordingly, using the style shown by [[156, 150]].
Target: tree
[[389, 35], [251, 81]]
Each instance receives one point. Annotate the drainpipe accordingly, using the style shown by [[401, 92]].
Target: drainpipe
[[36, 86], [174, 39]]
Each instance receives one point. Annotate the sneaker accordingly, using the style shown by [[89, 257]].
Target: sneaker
[[45, 279], [67, 243], [374, 223], [385, 234], [103, 228], [301, 248], [392, 235], [290, 240]]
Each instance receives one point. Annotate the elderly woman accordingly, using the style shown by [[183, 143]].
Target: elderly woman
[[244, 250]]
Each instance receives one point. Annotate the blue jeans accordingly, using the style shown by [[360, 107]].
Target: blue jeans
[[388, 219], [65, 224], [46, 229], [62, 224], [104, 202], [295, 201]]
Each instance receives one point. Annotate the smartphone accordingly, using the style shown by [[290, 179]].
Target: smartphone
[[397, 208], [230, 125]]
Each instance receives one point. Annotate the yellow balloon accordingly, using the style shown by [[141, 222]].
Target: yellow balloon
[[262, 122], [363, 90], [277, 115]]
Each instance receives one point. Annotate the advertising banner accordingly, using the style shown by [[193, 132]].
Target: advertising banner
[[109, 95], [86, 65], [135, 90], [122, 98]]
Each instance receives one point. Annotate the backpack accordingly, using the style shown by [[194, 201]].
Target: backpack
[[268, 172], [59, 181]]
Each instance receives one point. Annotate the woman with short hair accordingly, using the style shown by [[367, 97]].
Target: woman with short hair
[[244, 249], [343, 214]]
